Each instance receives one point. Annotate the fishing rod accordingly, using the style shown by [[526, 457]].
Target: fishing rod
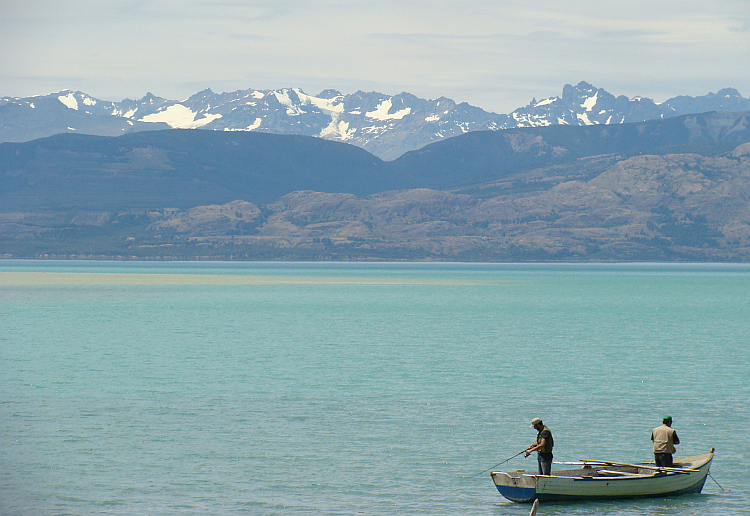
[[496, 465]]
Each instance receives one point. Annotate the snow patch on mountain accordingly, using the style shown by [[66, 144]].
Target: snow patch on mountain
[[69, 101], [338, 130], [530, 120], [328, 106], [331, 106], [546, 102], [291, 109], [116, 111], [382, 112], [590, 102], [178, 116]]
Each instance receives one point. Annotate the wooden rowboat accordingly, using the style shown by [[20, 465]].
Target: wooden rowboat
[[604, 480]]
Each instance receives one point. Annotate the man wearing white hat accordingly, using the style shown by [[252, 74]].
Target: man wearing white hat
[[543, 446]]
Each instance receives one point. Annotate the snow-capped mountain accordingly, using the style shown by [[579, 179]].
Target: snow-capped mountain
[[385, 125], [585, 104], [36, 117]]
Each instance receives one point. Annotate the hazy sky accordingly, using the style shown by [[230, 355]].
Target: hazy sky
[[494, 54]]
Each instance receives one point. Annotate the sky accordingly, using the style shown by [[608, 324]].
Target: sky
[[494, 54]]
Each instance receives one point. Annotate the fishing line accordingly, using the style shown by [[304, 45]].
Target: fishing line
[[496, 465]]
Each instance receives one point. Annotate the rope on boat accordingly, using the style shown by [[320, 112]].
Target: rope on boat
[[712, 478]]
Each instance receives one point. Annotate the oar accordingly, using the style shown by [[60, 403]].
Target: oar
[[534, 508], [657, 468], [496, 465]]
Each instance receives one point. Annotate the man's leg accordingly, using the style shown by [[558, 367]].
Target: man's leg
[[545, 464]]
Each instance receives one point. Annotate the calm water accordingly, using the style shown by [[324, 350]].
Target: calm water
[[263, 389]]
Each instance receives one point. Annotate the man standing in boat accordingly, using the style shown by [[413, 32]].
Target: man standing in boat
[[664, 438], [543, 446]]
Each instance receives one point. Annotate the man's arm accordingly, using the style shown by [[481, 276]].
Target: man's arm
[[676, 439], [536, 446]]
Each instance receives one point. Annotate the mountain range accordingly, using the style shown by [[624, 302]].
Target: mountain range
[[387, 126], [672, 189]]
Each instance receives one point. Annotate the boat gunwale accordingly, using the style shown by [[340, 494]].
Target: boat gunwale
[[596, 466]]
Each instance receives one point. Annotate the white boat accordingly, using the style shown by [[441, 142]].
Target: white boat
[[604, 480]]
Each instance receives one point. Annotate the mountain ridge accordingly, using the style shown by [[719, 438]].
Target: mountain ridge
[[385, 125], [207, 166], [675, 189]]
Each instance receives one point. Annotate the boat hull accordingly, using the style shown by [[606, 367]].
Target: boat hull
[[597, 483]]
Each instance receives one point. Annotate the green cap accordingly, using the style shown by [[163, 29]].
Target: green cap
[[667, 418]]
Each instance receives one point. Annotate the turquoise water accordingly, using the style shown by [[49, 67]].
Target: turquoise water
[[380, 389]]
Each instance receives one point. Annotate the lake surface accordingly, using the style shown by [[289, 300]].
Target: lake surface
[[379, 389]]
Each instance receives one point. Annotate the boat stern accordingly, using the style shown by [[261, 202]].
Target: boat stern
[[516, 487]]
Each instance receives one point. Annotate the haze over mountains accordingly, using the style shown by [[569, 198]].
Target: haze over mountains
[[384, 125]]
